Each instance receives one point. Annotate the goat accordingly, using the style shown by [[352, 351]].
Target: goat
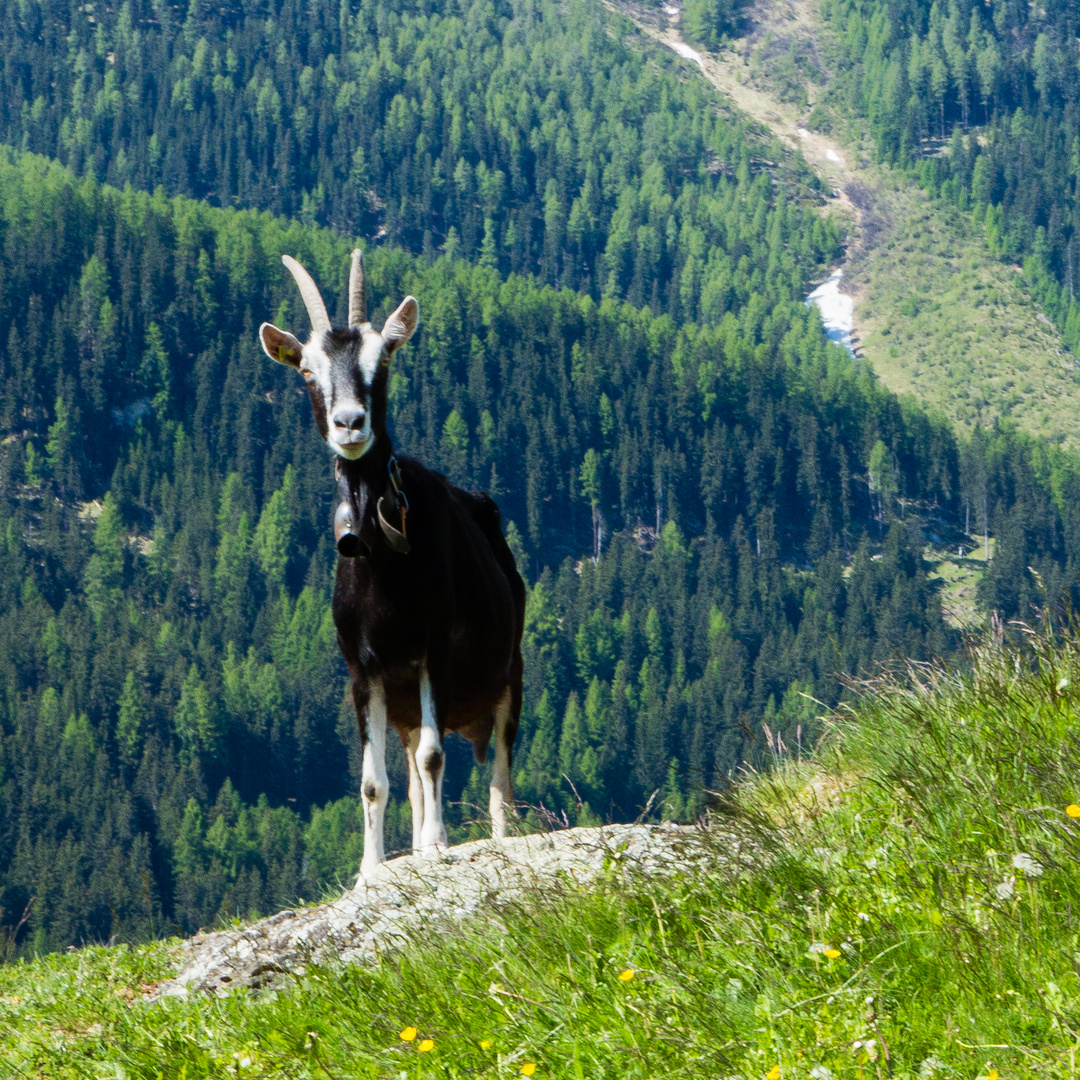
[[428, 603]]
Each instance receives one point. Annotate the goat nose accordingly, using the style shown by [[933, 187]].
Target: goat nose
[[350, 419]]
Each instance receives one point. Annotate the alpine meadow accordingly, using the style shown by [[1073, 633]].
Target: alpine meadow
[[736, 541]]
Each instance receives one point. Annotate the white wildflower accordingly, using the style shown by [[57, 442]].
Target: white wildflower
[[1006, 890], [869, 1045], [1026, 865], [930, 1068]]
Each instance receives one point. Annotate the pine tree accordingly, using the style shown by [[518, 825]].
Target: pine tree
[[273, 534], [190, 866], [103, 580], [194, 720], [538, 779], [130, 721], [62, 455]]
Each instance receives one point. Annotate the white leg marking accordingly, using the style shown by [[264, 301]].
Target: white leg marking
[[501, 792], [416, 790], [430, 763], [374, 786]]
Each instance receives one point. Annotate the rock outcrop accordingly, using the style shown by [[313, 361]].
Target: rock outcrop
[[413, 892]]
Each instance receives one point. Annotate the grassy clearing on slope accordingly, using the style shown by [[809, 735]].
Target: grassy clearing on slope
[[959, 575], [914, 913], [940, 318]]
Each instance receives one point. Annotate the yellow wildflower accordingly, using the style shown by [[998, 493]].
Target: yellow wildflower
[[408, 1034], [627, 975], [832, 954], [1072, 810], [485, 1044], [426, 1045], [992, 1075], [528, 1069], [773, 1073]]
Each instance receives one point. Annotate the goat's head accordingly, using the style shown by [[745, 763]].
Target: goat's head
[[346, 370]]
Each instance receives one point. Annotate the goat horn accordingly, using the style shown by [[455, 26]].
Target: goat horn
[[313, 301], [357, 294]]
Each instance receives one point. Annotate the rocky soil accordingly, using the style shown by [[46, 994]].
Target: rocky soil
[[414, 893]]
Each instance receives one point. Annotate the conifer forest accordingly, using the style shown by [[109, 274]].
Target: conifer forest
[[718, 511]]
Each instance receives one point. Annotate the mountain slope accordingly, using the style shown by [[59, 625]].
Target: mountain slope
[[937, 314], [528, 138], [910, 913], [941, 319], [176, 747], [1004, 77], [941, 309]]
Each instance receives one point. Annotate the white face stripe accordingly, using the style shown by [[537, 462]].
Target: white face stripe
[[315, 364], [315, 367], [371, 353], [428, 752], [374, 785]]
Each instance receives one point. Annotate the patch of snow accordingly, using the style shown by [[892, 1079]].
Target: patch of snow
[[837, 310], [832, 155], [803, 133], [687, 53], [670, 9]]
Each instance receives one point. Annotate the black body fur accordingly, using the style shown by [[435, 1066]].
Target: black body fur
[[456, 599]]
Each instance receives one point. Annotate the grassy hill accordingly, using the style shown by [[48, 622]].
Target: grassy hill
[[911, 914], [940, 318]]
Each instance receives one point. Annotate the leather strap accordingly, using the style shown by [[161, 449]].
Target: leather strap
[[393, 505]]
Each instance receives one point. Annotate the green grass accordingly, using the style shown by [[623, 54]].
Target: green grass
[[888, 914], [959, 576], [940, 318]]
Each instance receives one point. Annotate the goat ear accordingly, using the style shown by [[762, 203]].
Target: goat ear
[[400, 326], [280, 345]]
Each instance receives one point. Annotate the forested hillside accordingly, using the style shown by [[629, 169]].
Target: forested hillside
[[998, 84], [174, 705], [715, 508], [526, 136], [174, 636]]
